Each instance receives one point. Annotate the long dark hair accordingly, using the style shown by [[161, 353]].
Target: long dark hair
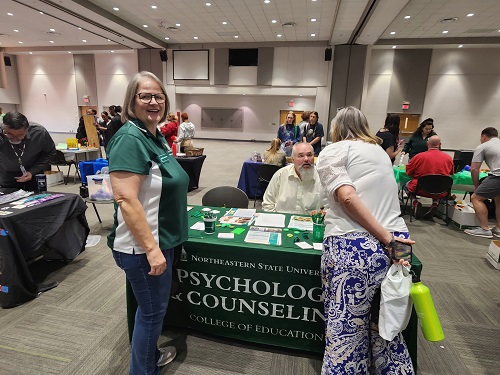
[[392, 124], [423, 124]]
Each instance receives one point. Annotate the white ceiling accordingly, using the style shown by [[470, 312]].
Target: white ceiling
[[337, 22]]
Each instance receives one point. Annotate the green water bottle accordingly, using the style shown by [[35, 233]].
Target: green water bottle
[[426, 312]]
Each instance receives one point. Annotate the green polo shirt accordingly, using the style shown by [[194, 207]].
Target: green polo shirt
[[163, 193]]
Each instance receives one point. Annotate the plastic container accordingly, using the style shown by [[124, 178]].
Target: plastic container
[[99, 187], [91, 167]]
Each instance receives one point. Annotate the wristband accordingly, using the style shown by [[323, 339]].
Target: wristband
[[391, 243]]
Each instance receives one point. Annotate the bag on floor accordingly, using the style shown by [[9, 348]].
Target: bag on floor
[[395, 302]]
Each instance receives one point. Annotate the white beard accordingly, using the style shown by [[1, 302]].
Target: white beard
[[15, 142], [306, 174]]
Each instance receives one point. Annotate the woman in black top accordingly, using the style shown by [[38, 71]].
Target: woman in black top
[[390, 136]]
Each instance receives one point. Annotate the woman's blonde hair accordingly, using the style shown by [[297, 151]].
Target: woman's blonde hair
[[129, 102], [351, 123], [275, 145]]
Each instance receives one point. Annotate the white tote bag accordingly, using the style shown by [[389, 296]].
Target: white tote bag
[[395, 302]]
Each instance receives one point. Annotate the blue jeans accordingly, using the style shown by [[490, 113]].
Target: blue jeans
[[152, 294]]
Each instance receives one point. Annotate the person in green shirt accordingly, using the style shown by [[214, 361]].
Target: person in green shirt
[[150, 190], [418, 140]]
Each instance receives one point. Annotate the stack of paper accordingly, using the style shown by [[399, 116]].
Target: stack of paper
[[238, 216], [301, 222], [264, 236]]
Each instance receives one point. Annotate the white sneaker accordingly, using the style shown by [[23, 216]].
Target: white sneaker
[[167, 355], [479, 232], [495, 231]]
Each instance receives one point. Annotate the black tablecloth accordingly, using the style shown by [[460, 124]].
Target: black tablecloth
[[57, 225], [192, 165]]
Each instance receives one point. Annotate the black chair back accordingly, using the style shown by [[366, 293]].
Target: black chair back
[[58, 158], [434, 184], [264, 174], [225, 196]]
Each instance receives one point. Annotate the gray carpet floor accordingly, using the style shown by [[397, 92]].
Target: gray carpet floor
[[79, 328]]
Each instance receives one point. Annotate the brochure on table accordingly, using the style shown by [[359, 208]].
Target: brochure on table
[[264, 236], [301, 222], [238, 216]]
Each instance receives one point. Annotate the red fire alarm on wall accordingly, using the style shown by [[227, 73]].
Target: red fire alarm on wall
[[406, 106], [291, 104], [86, 99]]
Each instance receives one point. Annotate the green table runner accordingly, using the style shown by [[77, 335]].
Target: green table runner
[[459, 178]]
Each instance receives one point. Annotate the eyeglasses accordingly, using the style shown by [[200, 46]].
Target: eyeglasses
[[146, 97]]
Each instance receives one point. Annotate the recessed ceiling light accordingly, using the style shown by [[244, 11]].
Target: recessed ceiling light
[[445, 32], [31, 53], [393, 46], [115, 8], [195, 37], [152, 6], [167, 38], [40, 12], [236, 37], [313, 34], [9, 14], [224, 22], [273, 21], [313, 19], [208, 4], [20, 42], [109, 40], [267, 1], [178, 24], [69, 51], [112, 51], [84, 40], [51, 41], [460, 46], [393, 32], [79, 28], [16, 31], [470, 14], [52, 29], [144, 25], [406, 17], [279, 35]]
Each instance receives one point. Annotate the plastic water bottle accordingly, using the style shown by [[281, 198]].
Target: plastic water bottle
[[401, 159], [426, 312]]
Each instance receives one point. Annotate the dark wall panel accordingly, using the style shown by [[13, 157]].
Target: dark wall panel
[[221, 66], [265, 66]]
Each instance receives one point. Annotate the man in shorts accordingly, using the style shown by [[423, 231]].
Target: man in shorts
[[489, 152]]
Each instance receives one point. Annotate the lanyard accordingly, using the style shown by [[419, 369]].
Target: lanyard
[[15, 152]]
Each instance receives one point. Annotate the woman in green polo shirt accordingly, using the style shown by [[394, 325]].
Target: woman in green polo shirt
[[150, 190], [418, 140]]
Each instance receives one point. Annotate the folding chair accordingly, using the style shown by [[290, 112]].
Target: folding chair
[[225, 196], [431, 186]]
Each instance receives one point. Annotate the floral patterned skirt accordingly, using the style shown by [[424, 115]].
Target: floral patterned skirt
[[353, 267]]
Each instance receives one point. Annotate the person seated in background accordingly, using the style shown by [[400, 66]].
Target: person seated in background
[[313, 133], [186, 133], [489, 152], [25, 151], [418, 140], [433, 161], [288, 134], [169, 130], [389, 135], [275, 155], [295, 188]]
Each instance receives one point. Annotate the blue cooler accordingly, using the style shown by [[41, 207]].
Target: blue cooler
[[91, 167]]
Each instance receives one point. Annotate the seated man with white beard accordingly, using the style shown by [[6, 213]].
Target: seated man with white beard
[[295, 188]]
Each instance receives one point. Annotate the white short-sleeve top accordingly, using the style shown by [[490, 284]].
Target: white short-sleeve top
[[368, 169]]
